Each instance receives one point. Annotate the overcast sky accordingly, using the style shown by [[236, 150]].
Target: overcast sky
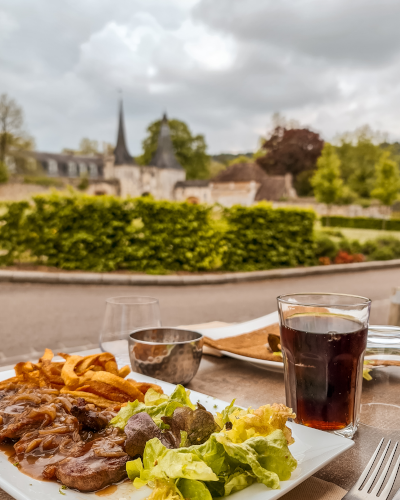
[[222, 66]]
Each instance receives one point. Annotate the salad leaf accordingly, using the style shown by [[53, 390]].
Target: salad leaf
[[239, 480], [159, 407], [268, 456], [223, 418], [154, 398], [260, 422], [165, 490], [195, 490]]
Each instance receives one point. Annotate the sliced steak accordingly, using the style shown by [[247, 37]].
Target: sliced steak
[[99, 463], [140, 429], [91, 419]]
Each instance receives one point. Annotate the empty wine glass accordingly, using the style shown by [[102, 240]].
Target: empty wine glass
[[122, 316]]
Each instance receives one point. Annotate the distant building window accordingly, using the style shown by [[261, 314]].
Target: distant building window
[[83, 169], [72, 169], [52, 167], [93, 170]]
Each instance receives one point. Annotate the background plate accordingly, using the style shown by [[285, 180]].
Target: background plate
[[313, 449]]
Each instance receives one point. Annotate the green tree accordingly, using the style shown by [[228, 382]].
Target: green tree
[[387, 182], [190, 150], [14, 141], [3, 172], [327, 183], [359, 151], [240, 159]]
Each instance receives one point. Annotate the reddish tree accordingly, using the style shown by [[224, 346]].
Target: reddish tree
[[290, 151]]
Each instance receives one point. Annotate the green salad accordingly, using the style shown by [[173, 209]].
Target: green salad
[[235, 449]]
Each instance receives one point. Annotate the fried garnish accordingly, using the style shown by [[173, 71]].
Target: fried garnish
[[145, 386], [106, 391], [47, 356], [119, 383], [68, 374], [124, 371], [260, 422], [89, 398]]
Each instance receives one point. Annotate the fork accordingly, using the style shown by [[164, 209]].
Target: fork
[[362, 490]]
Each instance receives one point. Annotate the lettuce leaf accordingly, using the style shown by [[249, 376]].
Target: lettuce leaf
[[195, 490], [260, 422], [237, 481], [156, 406]]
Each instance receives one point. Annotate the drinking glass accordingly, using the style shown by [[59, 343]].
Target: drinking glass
[[124, 315], [323, 340]]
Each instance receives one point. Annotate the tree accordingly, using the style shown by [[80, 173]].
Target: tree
[[326, 181], [14, 142], [190, 150], [3, 172], [88, 147], [290, 151], [387, 182], [359, 152], [240, 159]]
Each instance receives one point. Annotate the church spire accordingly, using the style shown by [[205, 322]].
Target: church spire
[[164, 157], [121, 153]]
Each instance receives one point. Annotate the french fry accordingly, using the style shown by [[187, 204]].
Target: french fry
[[6, 383], [106, 391], [124, 371], [89, 398], [47, 356], [68, 374], [145, 386], [86, 363], [22, 367], [120, 383]]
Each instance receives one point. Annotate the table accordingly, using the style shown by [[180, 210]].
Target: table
[[227, 378]]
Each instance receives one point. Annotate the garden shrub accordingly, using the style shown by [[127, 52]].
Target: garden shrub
[[260, 237], [325, 246], [361, 222], [385, 248]]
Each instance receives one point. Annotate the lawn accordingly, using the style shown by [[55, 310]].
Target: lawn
[[361, 235]]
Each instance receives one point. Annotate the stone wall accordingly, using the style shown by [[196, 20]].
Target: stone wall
[[374, 211]]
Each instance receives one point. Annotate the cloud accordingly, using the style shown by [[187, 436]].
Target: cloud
[[223, 66]]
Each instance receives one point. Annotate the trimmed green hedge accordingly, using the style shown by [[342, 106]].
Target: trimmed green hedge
[[105, 233], [361, 222], [260, 237]]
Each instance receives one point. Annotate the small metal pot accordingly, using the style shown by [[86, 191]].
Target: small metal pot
[[169, 354]]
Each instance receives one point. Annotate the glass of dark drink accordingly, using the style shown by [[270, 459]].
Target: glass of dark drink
[[323, 340]]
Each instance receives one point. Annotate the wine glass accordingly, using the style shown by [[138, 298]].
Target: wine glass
[[122, 316]]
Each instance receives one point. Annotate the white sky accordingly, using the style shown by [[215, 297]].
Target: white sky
[[223, 66]]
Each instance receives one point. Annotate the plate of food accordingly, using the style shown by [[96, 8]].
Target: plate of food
[[256, 342], [82, 428]]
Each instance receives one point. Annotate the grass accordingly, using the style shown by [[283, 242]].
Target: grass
[[362, 235]]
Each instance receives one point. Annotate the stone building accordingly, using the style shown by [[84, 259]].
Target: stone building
[[242, 183], [119, 174]]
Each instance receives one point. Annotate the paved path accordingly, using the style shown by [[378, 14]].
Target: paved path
[[34, 316]]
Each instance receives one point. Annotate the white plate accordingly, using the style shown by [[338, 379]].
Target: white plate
[[312, 448], [246, 327]]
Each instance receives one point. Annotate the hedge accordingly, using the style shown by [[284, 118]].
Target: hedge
[[260, 237], [361, 223], [105, 233]]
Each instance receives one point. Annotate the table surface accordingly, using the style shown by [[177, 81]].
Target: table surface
[[227, 378]]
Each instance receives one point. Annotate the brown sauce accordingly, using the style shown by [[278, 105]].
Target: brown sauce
[[109, 490]]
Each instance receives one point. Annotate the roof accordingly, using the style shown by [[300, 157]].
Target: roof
[[192, 183], [274, 187], [65, 158], [164, 157], [241, 172], [121, 153]]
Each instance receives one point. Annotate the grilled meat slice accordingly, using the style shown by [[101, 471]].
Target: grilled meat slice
[[27, 421], [91, 419], [140, 429], [92, 466]]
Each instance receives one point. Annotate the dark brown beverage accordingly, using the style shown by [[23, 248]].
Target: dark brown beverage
[[323, 371]]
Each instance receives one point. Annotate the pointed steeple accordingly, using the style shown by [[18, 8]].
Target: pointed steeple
[[164, 157], [121, 153]]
